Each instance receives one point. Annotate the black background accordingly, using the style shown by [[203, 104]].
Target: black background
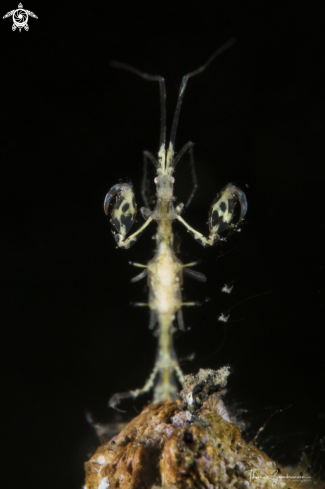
[[72, 127]]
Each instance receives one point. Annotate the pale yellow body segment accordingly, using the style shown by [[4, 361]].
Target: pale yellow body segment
[[165, 278]]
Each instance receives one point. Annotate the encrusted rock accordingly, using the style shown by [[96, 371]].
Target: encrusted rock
[[197, 388], [171, 445]]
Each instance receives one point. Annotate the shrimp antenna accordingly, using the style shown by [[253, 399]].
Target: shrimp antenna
[[162, 90], [184, 83]]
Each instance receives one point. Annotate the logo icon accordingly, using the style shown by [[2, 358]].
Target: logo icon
[[20, 18]]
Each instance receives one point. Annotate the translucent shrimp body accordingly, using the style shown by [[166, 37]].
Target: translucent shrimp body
[[165, 271]]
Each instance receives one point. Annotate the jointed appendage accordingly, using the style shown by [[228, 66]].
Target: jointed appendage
[[165, 271], [123, 214], [221, 215]]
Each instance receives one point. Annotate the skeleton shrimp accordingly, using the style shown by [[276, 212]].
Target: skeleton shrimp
[[165, 271]]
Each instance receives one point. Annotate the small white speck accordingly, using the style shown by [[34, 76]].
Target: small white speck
[[104, 484], [227, 289], [190, 399], [223, 318], [221, 409], [260, 460], [100, 459]]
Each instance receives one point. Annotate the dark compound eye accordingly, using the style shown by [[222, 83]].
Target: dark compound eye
[[126, 207]]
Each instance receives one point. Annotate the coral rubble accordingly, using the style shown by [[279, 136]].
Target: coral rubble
[[186, 444]]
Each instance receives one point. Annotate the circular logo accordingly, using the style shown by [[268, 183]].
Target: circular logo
[[20, 18]]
